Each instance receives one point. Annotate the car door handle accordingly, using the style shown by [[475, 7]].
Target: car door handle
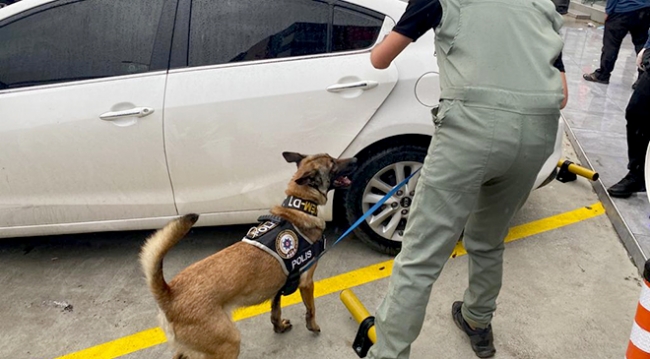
[[363, 85], [133, 112]]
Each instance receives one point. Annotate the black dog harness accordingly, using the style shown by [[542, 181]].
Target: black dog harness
[[279, 238]]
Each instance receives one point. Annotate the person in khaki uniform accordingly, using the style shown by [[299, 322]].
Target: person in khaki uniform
[[502, 87]]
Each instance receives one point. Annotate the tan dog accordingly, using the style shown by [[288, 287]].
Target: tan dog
[[196, 305]]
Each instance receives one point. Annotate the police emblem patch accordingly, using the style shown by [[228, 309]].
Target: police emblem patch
[[286, 244]]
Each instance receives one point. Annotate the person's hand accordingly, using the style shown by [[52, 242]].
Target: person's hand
[[639, 60], [645, 60]]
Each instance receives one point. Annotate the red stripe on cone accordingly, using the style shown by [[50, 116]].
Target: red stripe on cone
[[642, 318], [635, 353]]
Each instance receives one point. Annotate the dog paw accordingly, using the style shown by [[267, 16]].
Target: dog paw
[[313, 327], [283, 327]]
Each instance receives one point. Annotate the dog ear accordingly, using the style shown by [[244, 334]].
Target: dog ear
[[293, 157], [307, 178]]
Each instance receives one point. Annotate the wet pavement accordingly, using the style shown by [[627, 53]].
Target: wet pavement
[[595, 115]]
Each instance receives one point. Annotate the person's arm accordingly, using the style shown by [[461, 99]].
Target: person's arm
[[565, 90], [643, 57], [559, 64], [420, 16], [383, 55]]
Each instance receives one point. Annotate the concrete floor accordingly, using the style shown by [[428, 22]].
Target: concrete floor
[[568, 293]]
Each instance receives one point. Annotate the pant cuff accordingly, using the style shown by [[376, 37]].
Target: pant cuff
[[472, 322]]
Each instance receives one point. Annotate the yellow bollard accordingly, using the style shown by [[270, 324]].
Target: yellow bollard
[[361, 316], [568, 170], [358, 311]]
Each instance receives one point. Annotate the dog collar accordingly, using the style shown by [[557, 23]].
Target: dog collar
[[300, 204]]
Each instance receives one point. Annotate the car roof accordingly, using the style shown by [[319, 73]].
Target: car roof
[[389, 6]]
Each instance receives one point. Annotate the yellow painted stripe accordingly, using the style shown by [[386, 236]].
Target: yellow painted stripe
[[155, 336], [546, 224], [122, 346]]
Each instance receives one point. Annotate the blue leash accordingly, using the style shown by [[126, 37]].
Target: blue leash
[[364, 216]]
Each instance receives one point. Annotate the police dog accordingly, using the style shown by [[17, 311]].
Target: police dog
[[196, 305]]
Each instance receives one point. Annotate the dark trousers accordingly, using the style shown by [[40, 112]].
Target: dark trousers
[[637, 115], [617, 26]]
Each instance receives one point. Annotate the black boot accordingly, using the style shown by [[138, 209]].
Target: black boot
[[481, 340], [596, 77], [627, 186]]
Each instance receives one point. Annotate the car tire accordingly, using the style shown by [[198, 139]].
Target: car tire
[[4, 3], [374, 177]]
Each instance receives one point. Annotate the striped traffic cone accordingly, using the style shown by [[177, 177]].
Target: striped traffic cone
[[639, 346]]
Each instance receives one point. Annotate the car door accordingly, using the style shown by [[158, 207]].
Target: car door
[[259, 78], [81, 110]]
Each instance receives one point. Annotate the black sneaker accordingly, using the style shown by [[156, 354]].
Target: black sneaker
[[481, 339], [593, 77], [627, 186]]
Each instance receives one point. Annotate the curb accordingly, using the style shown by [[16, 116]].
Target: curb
[[596, 12], [632, 246]]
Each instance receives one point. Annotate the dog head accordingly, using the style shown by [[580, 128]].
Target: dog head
[[320, 173]]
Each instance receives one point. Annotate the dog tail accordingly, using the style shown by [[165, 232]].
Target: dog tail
[[155, 249]]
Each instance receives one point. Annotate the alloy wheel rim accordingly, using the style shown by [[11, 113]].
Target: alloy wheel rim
[[389, 220]]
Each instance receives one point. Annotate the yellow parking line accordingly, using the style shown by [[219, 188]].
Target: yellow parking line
[[155, 336]]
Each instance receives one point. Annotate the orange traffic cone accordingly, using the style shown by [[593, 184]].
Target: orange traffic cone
[[639, 346]]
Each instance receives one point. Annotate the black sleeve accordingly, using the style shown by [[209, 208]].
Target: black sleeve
[[420, 16], [558, 64]]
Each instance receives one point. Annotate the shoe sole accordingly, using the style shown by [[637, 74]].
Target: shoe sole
[[624, 194], [619, 195], [594, 80]]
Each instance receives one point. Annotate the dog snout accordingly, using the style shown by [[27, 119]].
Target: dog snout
[[348, 165]]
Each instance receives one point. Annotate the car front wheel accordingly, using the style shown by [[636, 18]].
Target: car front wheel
[[375, 177]]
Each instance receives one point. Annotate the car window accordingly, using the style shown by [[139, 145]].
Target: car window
[[79, 40], [353, 30], [227, 31]]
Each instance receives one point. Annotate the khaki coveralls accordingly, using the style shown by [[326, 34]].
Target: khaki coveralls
[[495, 128]]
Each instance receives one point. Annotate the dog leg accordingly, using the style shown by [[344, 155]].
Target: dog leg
[[307, 292], [279, 325], [214, 336], [222, 339]]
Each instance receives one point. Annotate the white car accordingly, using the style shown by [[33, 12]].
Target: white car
[[122, 114]]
